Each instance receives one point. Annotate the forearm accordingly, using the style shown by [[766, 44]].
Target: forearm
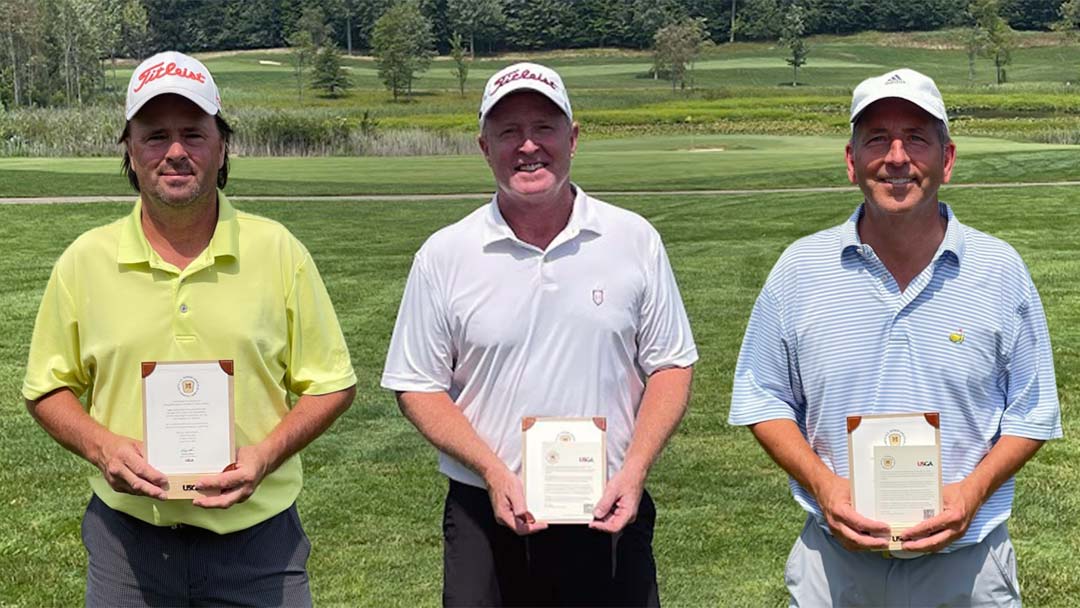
[[786, 445], [309, 417], [1008, 455], [62, 416], [441, 422], [663, 405]]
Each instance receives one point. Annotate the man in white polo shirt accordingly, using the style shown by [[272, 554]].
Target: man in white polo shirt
[[900, 309], [544, 302]]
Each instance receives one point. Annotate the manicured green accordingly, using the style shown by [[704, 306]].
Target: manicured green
[[700, 162], [372, 501]]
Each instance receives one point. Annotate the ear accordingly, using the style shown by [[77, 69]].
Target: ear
[[480, 141], [574, 131], [850, 158], [950, 160]]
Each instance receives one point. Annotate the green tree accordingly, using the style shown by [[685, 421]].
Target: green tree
[[327, 75], [1030, 14], [538, 24], [461, 63], [792, 36], [1069, 13], [676, 47], [313, 21], [649, 16], [473, 18], [1000, 38], [759, 20], [301, 52], [974, 45], [402, 44]]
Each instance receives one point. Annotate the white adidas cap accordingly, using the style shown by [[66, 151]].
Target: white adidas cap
[[904, 84], [172, 72], [525, 77]]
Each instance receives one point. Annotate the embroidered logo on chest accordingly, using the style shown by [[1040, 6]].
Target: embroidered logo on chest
[[957, 337], [598, 296]]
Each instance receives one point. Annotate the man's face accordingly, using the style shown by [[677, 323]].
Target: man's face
[[528, 143], [897, 157], [176, 151]]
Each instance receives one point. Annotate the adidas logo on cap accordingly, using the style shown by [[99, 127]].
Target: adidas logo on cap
[[896, 79]]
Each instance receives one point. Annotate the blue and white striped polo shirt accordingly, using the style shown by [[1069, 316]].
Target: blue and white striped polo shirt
[[832, 335]]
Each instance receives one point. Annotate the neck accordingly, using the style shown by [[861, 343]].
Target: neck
[[179, 234], [905, 243], [537, 222]]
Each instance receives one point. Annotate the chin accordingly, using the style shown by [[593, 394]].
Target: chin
[[533, 188]]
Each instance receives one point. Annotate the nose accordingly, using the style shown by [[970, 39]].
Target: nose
[[176, 150], [897, 154], [528, 146]]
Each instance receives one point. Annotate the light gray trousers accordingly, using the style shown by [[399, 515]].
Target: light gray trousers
[[821, 572]]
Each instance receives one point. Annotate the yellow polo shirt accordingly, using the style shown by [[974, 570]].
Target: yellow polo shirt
[[253, 296]]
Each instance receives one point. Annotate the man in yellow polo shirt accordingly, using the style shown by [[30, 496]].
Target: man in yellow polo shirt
[[186, 277]]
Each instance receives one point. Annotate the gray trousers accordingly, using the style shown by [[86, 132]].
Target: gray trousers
[[133, 563], [821, 572]]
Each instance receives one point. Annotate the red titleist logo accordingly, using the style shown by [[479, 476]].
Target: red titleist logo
[[160, 70], [523, 75]]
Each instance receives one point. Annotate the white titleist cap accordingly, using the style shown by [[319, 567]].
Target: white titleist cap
[[525, 77], [172, 72], [904, 84]]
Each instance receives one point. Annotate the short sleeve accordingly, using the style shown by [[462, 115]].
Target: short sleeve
[[763, 388], [318, 358], [664, 335], [1032, 409], [55, 359], [420, 357]]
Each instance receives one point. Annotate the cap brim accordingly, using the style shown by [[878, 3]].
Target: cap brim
[[524, 86], [205, 104]]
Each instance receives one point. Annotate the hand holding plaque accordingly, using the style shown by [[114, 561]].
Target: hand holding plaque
[[895, 462], [188, 421], [564, 466]]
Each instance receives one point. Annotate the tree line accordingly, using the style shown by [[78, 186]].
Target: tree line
[[513, 25], [56, 52]]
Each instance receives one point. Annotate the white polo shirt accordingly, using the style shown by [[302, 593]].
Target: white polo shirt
[[509, 330]]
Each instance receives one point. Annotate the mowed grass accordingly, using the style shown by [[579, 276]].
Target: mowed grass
[[372, 502], [647, 163]]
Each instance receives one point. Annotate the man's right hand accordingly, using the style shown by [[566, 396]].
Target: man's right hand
[[855, 532], [122, 461], [508, 501]]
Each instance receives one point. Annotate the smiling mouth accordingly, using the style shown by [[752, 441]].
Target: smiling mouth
[[530, 167], [898, 181]]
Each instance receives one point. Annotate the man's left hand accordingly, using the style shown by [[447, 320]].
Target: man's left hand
[[932, 535], [618, 505], [237, 483]]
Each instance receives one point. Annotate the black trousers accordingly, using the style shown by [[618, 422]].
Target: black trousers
[[486, 564]]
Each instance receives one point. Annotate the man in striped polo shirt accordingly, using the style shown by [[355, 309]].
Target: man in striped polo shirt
[[863, 319]]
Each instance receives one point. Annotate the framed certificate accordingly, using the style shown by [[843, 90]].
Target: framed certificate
[[895, 464], [188, 421], [564, 467]]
